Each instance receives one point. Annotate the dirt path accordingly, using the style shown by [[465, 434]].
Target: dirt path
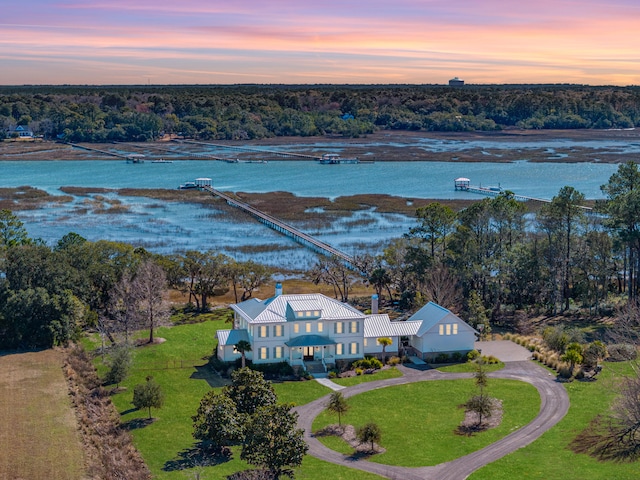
[[554, 406]]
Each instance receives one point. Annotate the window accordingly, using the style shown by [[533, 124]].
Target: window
[[307, 314], [339, 327], [455, 328], [354, 327], [365, 342], [307, 327], [278, 352], [278, 330], [263, 331], [441, 329], [320, 327], [354, 348], [263, 353], [448, 327], [316, 313], [339, 349], [296, 328]]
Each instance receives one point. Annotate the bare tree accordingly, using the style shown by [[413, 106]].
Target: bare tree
[[121, 312], [334, 272], [149, 288]]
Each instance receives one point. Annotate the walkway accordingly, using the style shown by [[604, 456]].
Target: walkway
[[329, 384], [554, 406]]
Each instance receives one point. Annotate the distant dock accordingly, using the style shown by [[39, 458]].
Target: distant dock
[[464, 184]]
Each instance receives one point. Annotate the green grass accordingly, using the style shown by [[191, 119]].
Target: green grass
[[550, 457], [162, 442], [301, 392], [418, 420], [469, 367], [379, 375]]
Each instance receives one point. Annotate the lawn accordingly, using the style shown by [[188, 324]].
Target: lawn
[[550, 457], [39, 434], [469, 367], [165, 443], [378, 375], [418, 420]]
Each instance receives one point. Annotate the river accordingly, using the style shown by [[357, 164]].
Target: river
[[172, 227]]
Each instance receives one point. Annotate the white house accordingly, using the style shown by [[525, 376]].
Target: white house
[[313, 330], [21, 131]]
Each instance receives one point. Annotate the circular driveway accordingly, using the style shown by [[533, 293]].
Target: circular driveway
[[553, 407]]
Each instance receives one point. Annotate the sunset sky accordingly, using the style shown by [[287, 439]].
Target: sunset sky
[[329, 41]]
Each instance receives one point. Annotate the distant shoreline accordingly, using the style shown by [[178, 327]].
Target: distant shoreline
[[569, 146]]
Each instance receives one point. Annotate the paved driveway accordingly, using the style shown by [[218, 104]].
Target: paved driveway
[[554, 406], [504, 350]]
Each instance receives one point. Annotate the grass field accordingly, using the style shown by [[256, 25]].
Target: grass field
[[164, 444], [550, 458], [418, 420], [39, 437]]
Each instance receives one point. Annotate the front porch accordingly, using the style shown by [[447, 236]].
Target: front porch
[[312, 352]]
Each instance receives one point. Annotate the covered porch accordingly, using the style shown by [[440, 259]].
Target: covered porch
[[310, 350]]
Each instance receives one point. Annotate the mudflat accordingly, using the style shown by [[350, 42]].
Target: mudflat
[[385, 145]]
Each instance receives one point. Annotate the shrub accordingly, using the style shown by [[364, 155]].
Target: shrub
[[442, 358], [368, 362], [393, 361], [273, 370], [472, 355], [621, 352], [490, 360], [456, 356], [332, 374], [565, 370], [359, 371]]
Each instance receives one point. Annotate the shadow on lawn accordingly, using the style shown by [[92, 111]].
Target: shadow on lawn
[[206, 372], [198, 456], [137, 423]]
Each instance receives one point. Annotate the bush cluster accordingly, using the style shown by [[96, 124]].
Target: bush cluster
[[367, 363]]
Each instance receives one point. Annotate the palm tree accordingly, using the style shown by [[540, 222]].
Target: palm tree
[[243, 346], [385, 342]]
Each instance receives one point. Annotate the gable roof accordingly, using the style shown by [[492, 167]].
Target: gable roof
[[432, 314], [274, 309]]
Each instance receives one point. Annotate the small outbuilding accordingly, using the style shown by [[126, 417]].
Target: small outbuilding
[[456, 82]]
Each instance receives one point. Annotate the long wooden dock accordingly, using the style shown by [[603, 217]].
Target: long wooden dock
[[493, 192], [281, 227], [277, 153]]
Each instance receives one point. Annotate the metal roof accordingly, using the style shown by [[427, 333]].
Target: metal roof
[[309, 341], [432, 314], [232, 337], [274, 309], [376, 326]]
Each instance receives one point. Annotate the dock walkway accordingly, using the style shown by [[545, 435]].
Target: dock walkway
[[280, 226]]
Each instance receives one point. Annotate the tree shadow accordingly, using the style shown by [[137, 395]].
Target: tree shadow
[[197, 456], [131, 410], [137, 423], [207, 373], [470, 430]]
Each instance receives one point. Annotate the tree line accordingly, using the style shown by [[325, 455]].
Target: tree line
[[242, 112], [50, 294], [502, 260]]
